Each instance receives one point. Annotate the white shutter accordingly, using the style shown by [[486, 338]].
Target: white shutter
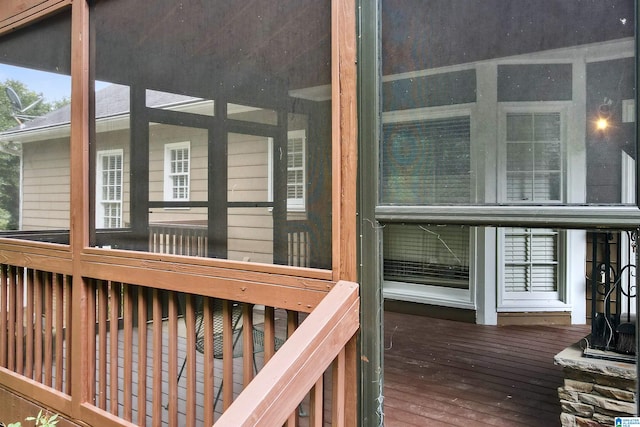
[[530, 260]]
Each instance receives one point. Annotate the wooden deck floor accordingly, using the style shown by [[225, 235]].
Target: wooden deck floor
[[445, 373]]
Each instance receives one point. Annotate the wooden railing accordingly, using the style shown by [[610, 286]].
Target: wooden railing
[[192, 239], [35, 327], [298, 368], [178, 239], [143, 331]]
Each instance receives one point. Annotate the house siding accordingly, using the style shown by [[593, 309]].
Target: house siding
[[250, 230], [45, 184]]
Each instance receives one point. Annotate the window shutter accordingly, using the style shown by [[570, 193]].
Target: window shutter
[[531, 260]]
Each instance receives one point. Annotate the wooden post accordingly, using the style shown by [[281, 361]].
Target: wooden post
[[79, 224], [344, 172]]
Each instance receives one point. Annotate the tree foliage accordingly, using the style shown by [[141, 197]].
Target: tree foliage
[[10, 162]]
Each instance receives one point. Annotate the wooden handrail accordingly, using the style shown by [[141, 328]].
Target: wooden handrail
[[284, 381]]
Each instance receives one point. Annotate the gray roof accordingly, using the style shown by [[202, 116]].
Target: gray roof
[[113, 100]]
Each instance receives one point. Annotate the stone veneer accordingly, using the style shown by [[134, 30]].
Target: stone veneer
[[595, 391]]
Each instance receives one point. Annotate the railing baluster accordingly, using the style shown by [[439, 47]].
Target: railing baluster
[[29, 319], [172, 358], [114, 303], [157, 358], [316, 404], [69, 331], [190, 322], [127, 314], [247, 345], [93, 335], [11, 362], [292, 325], [4, 308], [48, 329], [142, 356], [337, 389], [227, 355], [208, 372], [59, 329], [269, 334], [102, 348], [38, 303], [20, 321]]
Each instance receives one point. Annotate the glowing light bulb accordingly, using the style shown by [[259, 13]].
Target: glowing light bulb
[[602, 124]]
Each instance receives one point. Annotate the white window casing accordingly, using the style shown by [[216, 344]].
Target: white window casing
[[109, 176], [296, 170]]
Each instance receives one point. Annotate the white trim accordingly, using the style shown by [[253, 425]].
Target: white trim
[[428, 113], [628, 171], [595, 52], [425, 294]]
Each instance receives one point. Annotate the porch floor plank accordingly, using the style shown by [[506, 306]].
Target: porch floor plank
[[441, 372]]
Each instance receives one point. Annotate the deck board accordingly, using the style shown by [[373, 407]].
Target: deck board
[[441, 372]]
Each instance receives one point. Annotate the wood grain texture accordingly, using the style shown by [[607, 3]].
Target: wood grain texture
[[17, 13]]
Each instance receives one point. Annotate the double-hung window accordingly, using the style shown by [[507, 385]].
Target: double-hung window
[[296, 147], [109, 189], [534, 174], [177, 171], [426, 161]]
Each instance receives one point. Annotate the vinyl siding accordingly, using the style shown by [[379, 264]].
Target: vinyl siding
[[250, 233], [45, 185]]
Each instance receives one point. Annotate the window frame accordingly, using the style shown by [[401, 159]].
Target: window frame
[[168, 183], [504, 109], [297, 204], [548, 300]]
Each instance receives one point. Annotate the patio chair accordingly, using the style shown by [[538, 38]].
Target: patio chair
[[237, 327]]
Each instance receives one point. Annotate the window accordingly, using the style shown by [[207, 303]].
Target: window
[[533, 157], [176, 171], [530, 260], [534, 173], [296, 170], [426, 161], [428, 255], [109, 189]]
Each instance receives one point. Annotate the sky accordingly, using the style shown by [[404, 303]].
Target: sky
[[53, 86]]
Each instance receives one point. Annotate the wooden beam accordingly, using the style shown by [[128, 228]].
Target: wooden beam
[[17, 13]]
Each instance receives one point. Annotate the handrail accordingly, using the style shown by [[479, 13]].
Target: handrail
[[284, 381]]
